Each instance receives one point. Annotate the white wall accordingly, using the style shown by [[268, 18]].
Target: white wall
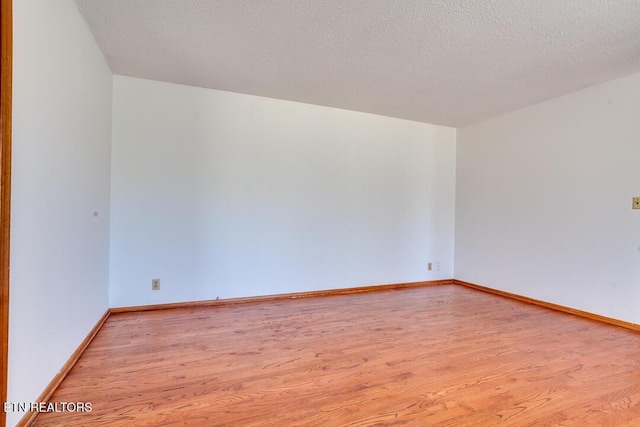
[[226, 195], [543, 204], [61, 166]]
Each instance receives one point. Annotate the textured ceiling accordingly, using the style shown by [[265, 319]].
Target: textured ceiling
[[448, 62]]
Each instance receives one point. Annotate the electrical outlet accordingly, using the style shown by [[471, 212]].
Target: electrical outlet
[[155, 284], [429, 266], [437, 265], [636, 203]]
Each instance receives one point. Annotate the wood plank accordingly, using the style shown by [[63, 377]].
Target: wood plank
[[439, 356], [551, 305], [6, 61], [48, 392]]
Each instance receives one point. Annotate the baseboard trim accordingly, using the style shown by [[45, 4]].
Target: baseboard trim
[[552, 306], [30, 417], [280, 297], [48, 392]]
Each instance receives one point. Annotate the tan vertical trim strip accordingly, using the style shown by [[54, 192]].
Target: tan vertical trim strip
[[6, 55]]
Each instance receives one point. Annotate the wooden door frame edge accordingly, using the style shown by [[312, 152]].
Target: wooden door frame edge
[[6, 64]]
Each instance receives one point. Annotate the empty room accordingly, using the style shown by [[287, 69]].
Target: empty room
[[320, 213]]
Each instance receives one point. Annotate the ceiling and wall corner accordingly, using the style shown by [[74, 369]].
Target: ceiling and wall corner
[[456, 63], [229, 195], [543, 200], [447, 62]]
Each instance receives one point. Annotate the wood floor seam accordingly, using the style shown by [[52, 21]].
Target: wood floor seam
[[433, 355]]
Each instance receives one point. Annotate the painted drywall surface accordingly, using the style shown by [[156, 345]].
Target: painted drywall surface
[[543, 205], [228, 195], [60, 207]]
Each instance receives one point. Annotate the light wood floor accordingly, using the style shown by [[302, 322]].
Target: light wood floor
[[435, 356]]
